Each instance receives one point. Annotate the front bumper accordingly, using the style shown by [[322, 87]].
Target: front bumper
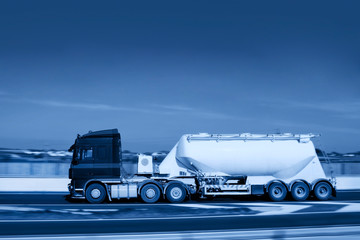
[[74, 193]]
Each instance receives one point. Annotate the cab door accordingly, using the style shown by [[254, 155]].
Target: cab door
[[83, 164]]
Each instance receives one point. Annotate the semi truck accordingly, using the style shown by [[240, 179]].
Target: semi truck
[[200, 165]]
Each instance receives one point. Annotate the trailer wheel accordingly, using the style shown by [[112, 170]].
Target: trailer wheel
[[150, 193], [277, 192], [175, 193], [95, 193], [322, 191], [300, 191]]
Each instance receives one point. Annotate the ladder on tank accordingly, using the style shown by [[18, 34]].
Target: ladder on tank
[[303, 138]]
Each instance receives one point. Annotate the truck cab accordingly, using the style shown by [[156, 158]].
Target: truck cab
[[98, 172], [96, 155]]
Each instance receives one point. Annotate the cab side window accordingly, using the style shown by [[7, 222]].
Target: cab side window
[[87, 154], [84, 154]]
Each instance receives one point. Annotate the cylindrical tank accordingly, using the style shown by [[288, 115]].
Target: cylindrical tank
[[281, 155]]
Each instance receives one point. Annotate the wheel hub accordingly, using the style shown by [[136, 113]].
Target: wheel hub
[[300, 191], [277, 191], [150, 193], [95, 193], [176, 193], [323, 191]]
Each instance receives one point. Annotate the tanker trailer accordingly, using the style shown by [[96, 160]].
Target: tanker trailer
[[250, 164], [204, 165]]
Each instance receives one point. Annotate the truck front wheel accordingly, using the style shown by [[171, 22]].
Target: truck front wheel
[[322, 191], [175, 193], [95, 193], [150, 193], [277, 192]]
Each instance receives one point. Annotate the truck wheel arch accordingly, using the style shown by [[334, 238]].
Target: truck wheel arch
[[176, 182], [142, 184], [88, 183], [275, 181], [315, 182], [91, 181], [299, 180]]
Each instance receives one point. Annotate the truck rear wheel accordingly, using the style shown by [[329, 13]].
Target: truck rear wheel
[[150, 193], [322, 191], [95, 193], [300, 191], [175, 193], [277, 192]]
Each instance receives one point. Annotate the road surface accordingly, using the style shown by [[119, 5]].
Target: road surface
[[36, 215]]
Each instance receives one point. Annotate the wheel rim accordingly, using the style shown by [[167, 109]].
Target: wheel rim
[[323, 191], [95, 193], [277, 191], [150, 193], [300, 191], [176, 193]]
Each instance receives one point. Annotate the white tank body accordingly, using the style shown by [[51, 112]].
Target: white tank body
[[280, 156]]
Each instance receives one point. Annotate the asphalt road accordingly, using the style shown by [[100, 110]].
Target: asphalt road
[[39, 214], [176, 224], [59, 198]]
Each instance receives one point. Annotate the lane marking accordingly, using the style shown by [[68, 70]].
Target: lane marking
[[260, 233], [161, 218], [20, 209], [59, 211], [263, 209], [99, 210], [352, 207], [285, 209], [330, 203], [276, 208], [203, 206], [81, 213]]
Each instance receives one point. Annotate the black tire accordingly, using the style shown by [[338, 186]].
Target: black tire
[[300, 191], [175, 193], [150, 193], [277, 192], [322, 191], [95, 193]]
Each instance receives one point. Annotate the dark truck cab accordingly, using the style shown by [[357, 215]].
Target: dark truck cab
[[96, 155], [98, 172]]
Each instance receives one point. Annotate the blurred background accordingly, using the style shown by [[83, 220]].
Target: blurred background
[[55, 163], [157, 70]]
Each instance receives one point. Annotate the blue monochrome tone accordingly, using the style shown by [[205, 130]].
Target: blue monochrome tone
[[159, 69]]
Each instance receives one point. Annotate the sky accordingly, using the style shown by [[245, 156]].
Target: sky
[[159, 69]]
